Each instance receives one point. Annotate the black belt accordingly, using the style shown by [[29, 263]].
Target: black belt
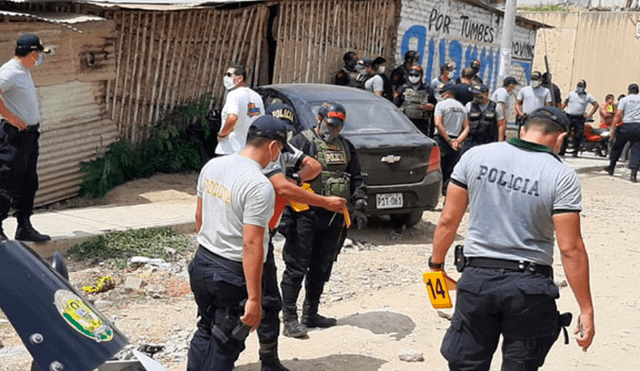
[[230, 265], [29, 129], [511, 265]]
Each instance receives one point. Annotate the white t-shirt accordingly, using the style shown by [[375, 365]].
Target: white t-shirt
[[248, 106], [374, 84], [631, 107], [577, 103], [453, 115], [18, 91], [501, 95], [234, 193], [533, 98]]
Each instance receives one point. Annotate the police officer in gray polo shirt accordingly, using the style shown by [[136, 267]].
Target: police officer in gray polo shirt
[[450, 119], [576, 105], [519, 193], [19, 133], [626, 128]]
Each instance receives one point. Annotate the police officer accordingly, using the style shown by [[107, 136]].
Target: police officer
[[519, 193], [501, 95], [401, 73], [576, 105], [474, 79], [314, 236], [447, 71], [452, 127], [235, 203], [417, 101], [19, 133], [486, 119], [348, 74], [626, 128], [301, 168], [462, 90]]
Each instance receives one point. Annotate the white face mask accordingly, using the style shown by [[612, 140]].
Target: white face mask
[[450, 74], [40, 59], [228, 82], [381, 69], [361, 70], [414, 79], [580, 90], [535, 83], [327, 133]]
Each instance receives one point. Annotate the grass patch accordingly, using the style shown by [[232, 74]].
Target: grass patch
[[544, 8], [115, 248]]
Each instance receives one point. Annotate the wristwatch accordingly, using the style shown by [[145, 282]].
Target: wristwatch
[[433, 265], [296, 177]]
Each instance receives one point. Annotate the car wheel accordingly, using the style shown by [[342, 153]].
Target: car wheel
[[409, 219]]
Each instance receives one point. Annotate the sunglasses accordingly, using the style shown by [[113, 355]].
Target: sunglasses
[[414, 74], [229, 74]]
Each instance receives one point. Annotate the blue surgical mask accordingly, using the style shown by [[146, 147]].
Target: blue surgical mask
[[40, 59]]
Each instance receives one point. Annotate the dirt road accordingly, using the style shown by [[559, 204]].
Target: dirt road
[[384, 313]]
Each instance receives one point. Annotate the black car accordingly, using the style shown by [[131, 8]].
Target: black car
[[400, 165]]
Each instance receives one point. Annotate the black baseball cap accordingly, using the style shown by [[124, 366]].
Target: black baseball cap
[[551, 113], [267, 126], [282, 111], [536, 75], [446, 87], [479, 89], [31, 42], [509, 80], [633, 88], [365, 62]]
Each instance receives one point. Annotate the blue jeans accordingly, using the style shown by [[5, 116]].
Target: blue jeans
[[490, 302]]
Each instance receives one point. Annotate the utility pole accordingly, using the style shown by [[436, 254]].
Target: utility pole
[[508, 28]]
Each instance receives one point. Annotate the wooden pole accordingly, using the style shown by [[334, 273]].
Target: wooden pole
[[136, 105], [162, 37], [165, 57]]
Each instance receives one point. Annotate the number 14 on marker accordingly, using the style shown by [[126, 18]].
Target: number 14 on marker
[[438, 288]]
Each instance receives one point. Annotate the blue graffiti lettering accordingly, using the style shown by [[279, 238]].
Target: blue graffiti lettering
[[417, 35]]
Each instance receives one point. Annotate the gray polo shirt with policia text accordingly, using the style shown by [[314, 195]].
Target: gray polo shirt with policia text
[[515, 188]]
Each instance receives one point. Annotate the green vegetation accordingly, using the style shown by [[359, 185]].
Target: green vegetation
[[114, 248], [169, 149], [545, 8]]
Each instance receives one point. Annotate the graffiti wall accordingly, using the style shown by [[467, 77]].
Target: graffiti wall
[[460, 32]]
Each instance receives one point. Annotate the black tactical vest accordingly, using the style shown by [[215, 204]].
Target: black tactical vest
[[334, 158], [483, 126]]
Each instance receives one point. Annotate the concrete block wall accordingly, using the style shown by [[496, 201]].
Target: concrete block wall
[[460, 32]]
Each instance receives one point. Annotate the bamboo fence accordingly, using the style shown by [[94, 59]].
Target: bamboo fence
[[166, 59], [312, 36]]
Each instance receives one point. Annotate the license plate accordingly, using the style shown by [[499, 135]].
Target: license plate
[[388, 200]]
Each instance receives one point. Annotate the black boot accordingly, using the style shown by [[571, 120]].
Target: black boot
[[311, 318], [609, 170], [292, 328], [26, 232], [634, 175], [269, 357]]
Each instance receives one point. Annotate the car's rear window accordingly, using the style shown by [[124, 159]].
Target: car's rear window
[[370, 118]]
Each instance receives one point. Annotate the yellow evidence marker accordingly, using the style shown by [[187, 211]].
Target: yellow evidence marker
[[438, 286]]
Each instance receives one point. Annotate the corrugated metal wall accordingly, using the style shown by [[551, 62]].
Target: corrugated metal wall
[[312, 36], [165, 59], [71, 93]]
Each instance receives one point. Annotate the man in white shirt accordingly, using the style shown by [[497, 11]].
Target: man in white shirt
[[576, 105], [242, 106]]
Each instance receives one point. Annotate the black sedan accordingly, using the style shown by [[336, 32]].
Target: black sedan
[[400, 165]]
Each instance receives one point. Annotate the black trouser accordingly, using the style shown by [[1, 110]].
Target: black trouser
[[424, 126], [470, 143], [576, 122], [628, 132], [218, 292], [519, 305], [19, 152], [310, 249], [448, 160], [269, 328]]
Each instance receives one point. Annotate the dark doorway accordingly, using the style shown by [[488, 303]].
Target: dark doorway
[[272, 43]]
